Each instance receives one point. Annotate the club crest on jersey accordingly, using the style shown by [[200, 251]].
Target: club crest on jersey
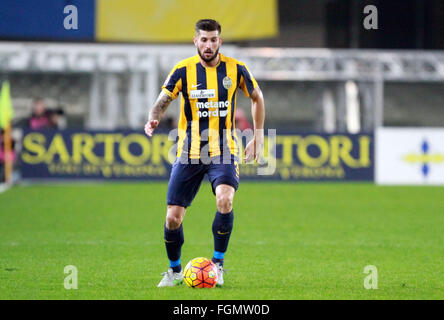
[[226, 82]]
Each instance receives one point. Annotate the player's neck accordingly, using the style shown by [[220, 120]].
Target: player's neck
[[211, 63]]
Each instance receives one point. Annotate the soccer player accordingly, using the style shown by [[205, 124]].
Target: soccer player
[[207, 141]]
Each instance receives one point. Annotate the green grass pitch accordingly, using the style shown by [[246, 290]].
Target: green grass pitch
[[290, 241]]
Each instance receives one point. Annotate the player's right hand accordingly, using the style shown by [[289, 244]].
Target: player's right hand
[[150, 126]]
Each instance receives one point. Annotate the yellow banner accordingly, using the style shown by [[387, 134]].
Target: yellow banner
[[174, 20]]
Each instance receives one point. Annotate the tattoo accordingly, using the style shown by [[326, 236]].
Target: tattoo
[[161, 104]]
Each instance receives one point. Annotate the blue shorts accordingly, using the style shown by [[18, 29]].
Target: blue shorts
[[185, 179]]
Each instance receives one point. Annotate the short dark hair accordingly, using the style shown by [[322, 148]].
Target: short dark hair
[[208, 25]]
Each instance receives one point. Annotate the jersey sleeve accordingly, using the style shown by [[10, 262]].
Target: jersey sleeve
[[247, 82], [173, 83]]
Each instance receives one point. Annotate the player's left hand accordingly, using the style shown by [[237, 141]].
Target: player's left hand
[[253, 149]]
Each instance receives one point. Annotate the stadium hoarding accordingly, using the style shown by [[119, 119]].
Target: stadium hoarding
[[170, 21], [53, 20], [94, 155], [310, 156], [409, 156], [138, 21], [131, 155]]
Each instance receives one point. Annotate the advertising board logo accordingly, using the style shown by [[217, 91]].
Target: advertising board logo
[[424, 158]]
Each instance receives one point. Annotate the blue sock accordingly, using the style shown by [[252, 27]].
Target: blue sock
[[218, 257], [174, 240], [222, 227]]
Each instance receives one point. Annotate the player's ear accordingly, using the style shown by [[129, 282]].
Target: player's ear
[[220, 40], [195, 40]]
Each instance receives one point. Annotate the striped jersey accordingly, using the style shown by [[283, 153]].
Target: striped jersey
[[206, 123]]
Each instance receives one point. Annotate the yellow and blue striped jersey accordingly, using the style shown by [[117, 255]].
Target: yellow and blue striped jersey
[[208, 104]]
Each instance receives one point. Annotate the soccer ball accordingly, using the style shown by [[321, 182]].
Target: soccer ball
[[200, 273]]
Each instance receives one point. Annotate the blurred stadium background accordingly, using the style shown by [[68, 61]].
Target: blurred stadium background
[[368, 103], [100, 67]]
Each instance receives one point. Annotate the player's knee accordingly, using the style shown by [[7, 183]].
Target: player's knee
[[174, 218], [224, 203], [172, 222]]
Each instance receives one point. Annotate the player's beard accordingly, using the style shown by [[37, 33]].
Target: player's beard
[[208, 60]]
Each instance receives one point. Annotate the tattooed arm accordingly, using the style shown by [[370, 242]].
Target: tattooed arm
[[161, 104]]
